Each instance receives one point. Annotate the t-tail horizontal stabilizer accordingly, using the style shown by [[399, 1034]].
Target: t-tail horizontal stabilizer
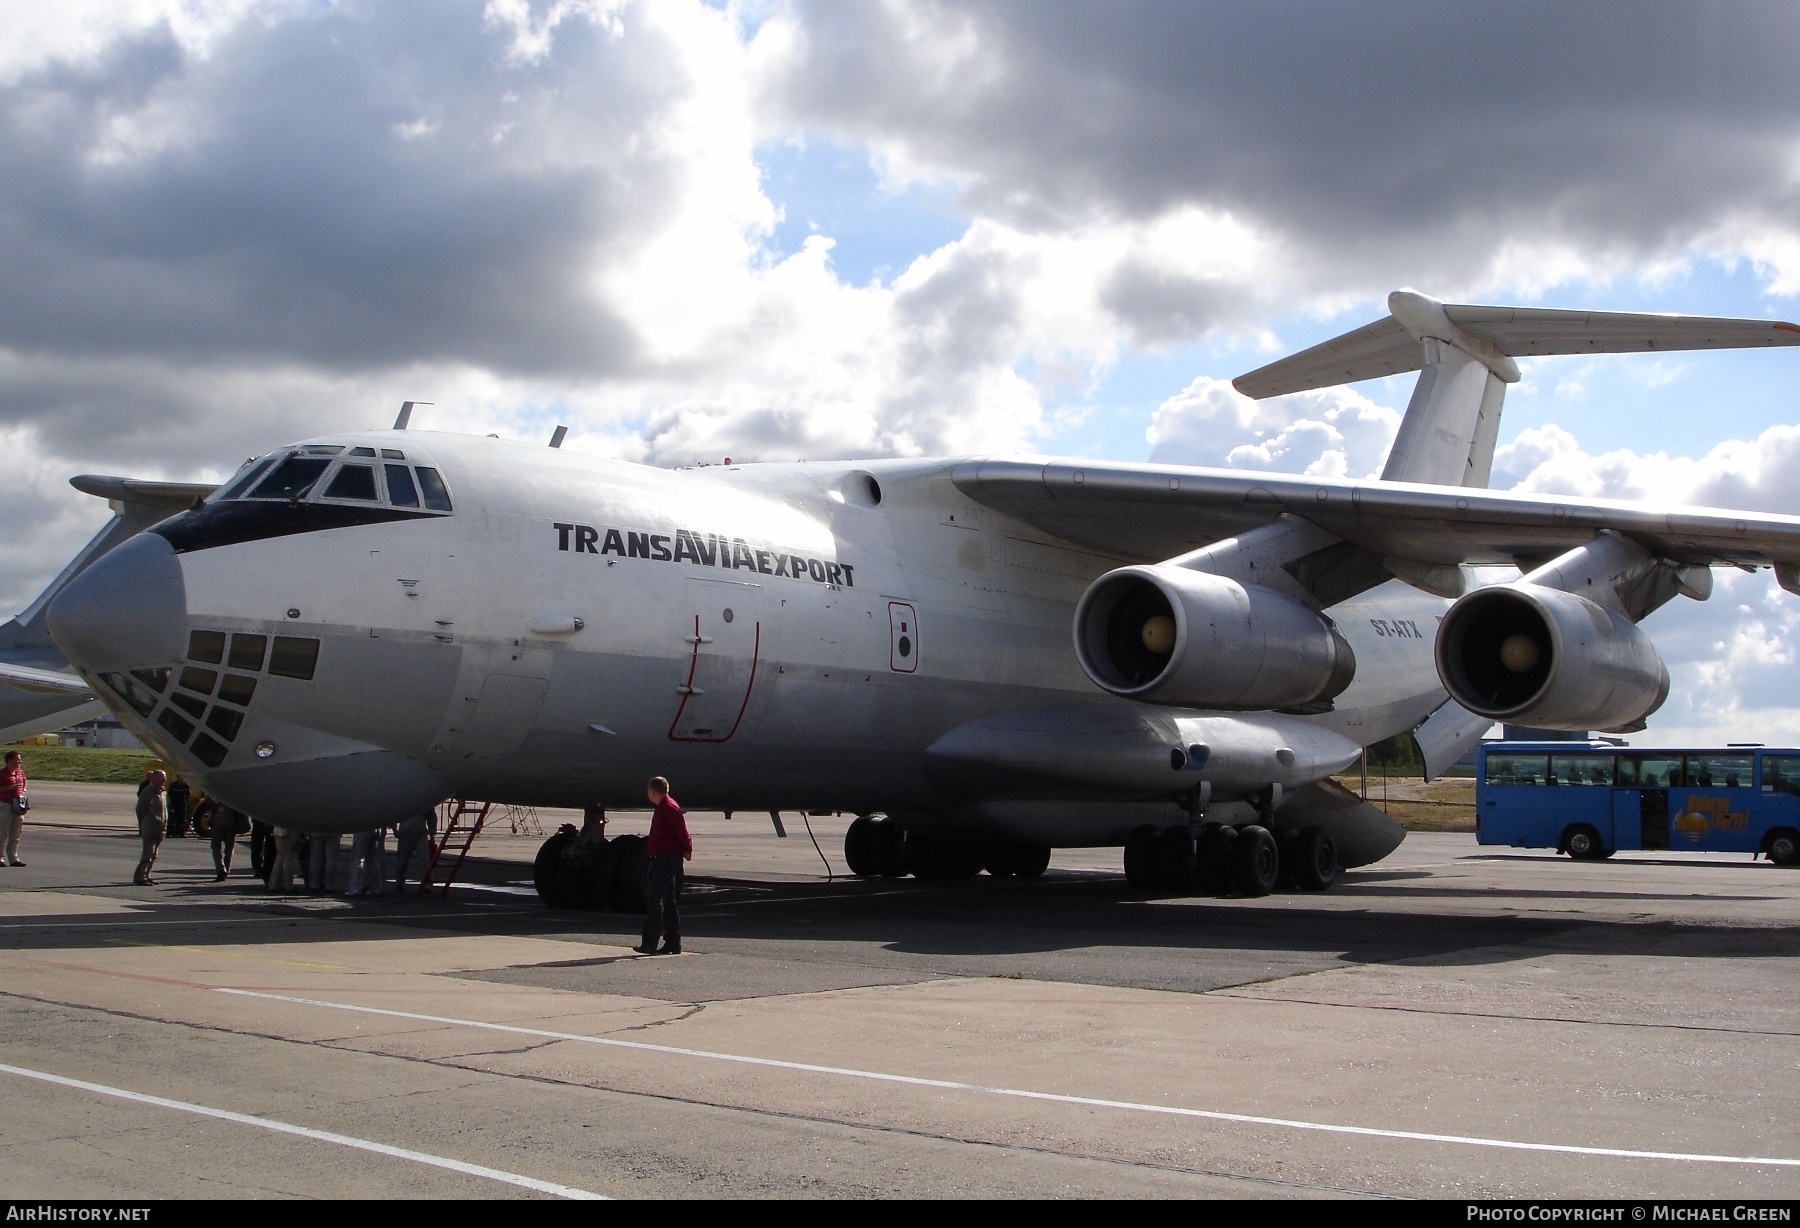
[[1464, 355]]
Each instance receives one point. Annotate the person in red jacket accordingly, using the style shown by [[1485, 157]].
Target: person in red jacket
[[12, 806], [669, 846]]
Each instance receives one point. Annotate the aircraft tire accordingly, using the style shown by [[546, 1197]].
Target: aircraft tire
[[1174, 860], [631, 872], [1140, 859], [918, 855], [606, 875], [1030, 860], [858, 853], [1313, 860], [1000, 860], [1212, 858], [957, 861], [1255, 861], [1784, 847], [887, 845], [546, 867]]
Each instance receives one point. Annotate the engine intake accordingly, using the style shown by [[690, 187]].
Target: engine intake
[[1539, 656], [1168, 635]]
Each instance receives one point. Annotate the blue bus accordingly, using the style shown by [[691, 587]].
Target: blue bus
[[1590, 799]]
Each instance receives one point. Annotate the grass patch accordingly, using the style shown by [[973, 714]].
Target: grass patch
[[85, 765]]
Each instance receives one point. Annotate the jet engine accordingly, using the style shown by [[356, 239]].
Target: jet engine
[[1538, 656], [1169, 635]]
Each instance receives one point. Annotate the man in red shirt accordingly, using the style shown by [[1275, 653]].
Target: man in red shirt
[[669, 846]]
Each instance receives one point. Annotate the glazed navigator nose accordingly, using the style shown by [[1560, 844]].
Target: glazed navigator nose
[[128, 610]]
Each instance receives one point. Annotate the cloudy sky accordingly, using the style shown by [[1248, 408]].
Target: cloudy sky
[[781, 230]]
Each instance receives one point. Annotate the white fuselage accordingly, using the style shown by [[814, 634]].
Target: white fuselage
[[766, 636]]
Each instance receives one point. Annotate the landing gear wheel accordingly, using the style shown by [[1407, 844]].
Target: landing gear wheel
[[546, 867], [918, 855], [1583, 843], [858, 853], [1784, 848], [1212, 858], [1140, 859], [587, 873], [631, 873], [1255, 861], [1175, 860], [887, 840], [997, 860], [1314, 863], [956, 860], [1031, 860]]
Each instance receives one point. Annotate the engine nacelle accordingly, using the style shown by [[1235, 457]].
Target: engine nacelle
[[1169, 635], [1539, 656]]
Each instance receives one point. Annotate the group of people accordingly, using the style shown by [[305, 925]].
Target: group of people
[[278, 855], [284, 855]]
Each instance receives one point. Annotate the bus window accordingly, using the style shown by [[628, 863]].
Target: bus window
[[1651, 771], [1719, 771], [1507, 769], [1781, 774], [1581, 769]]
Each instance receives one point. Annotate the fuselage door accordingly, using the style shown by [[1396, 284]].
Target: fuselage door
[[722, 633], [903, 646]]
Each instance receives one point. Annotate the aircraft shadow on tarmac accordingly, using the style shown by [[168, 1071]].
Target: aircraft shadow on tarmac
[[806, 937]]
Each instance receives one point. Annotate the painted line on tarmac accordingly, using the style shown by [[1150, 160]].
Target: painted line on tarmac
[[323, 1136], [1052, 1097]]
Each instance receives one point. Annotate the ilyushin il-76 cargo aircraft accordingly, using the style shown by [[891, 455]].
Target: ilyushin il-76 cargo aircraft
[[983, 658]]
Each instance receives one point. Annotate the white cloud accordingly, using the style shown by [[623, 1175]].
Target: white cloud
[[1330, 432]]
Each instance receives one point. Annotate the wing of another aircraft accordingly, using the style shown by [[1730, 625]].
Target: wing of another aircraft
[[1152, 512], [44, 681]]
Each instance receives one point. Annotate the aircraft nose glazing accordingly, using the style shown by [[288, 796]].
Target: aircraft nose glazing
[[128, 610]]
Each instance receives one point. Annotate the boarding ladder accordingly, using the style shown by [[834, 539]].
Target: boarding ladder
[[462, 821]]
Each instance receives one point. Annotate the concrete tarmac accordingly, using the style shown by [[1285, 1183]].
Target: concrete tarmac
[[1453, 1022]]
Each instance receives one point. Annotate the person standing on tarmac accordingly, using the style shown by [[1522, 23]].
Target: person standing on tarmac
[[223, 828], [13, 805], [669, 845], [152, 817], [409, 834]]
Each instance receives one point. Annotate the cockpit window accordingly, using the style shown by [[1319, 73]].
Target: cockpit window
[[292, 479], [354, 482], [392, 454], [401, 491], [253, 471], [362, 451], [437, 498], [323, 449]]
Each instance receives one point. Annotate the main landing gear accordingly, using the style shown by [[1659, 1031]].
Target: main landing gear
[[877, 847], [1219, 860], [586, 870]]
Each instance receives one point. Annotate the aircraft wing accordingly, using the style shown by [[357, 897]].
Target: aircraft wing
[[44, 681], [1153, 512], [1386, 347]]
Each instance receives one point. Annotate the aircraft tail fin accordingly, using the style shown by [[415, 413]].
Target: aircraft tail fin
[[1464, 355]]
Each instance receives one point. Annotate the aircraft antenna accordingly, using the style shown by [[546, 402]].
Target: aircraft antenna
[[558, 435], [406, 408]]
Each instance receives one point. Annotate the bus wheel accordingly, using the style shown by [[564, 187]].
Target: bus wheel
[[1583, 843], [1784, 847]]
